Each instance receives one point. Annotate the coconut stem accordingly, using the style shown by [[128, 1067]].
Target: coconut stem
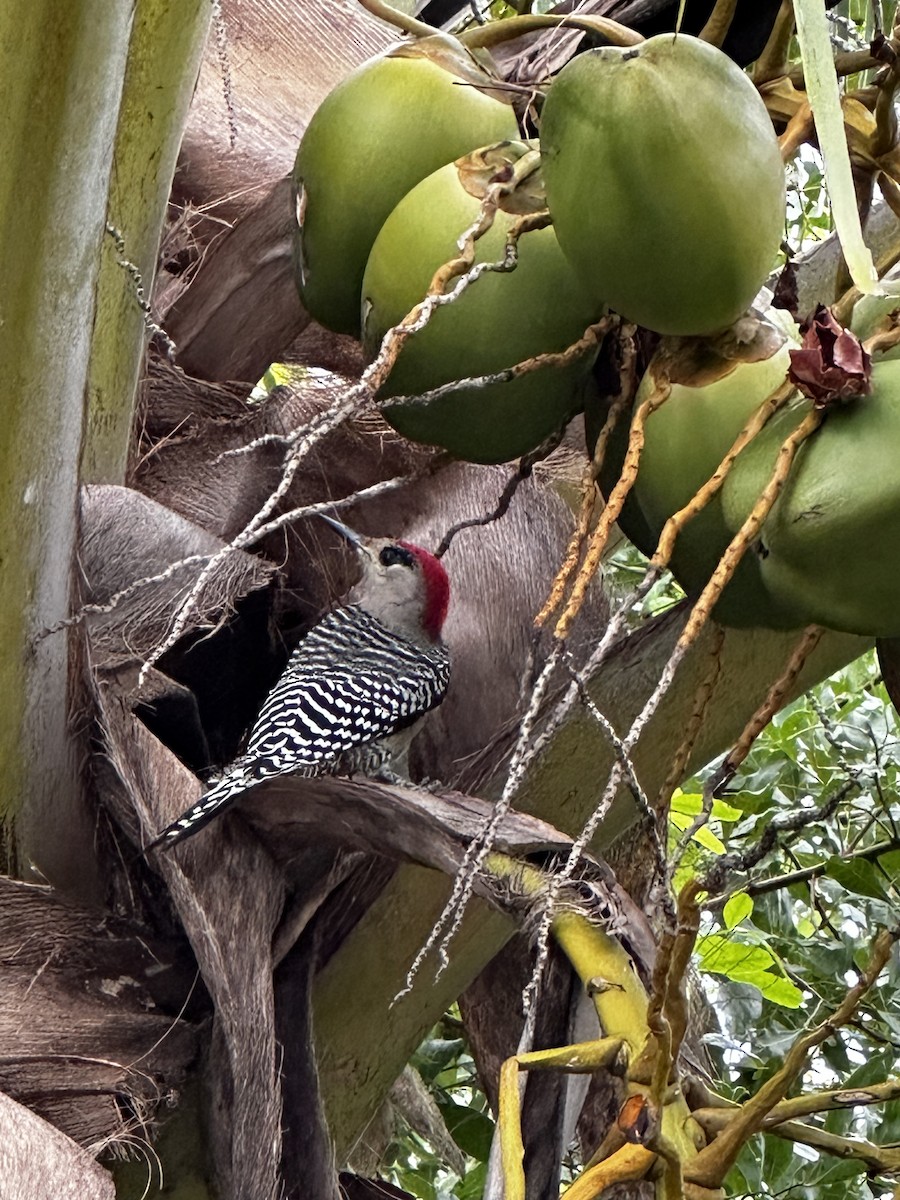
[[484, 37], [580, 533], [799, 129], [614, 503], [885, 138], [849, 62], [775, 699], [743, 539], [713, 485], [522, 168], [773, 61], [716, 28], [702, 699], [400, 20]]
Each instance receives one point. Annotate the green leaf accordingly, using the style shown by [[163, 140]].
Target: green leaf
[[435, 1055], [737, 908], [722, 955], [472, 1130], [857, 876], [472, 1187], [417, 1184], [686, 802], [705, 836], [779, 990], [725, 812], [890, 864], [725, 955], [691, 803]]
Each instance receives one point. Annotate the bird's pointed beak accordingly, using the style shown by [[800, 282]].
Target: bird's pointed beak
[[355, 539]]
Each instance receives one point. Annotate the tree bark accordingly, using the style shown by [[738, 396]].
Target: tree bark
[[37, 1162], [164, 54], [53, 188]]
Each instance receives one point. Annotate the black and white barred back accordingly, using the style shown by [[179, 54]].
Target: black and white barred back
[[349, 686]]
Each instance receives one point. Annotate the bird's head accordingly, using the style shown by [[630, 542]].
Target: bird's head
[[402, 585]]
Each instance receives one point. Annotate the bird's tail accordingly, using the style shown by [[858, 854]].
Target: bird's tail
[[219, 798]]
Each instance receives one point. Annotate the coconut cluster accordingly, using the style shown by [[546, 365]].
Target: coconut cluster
[[664, 183]]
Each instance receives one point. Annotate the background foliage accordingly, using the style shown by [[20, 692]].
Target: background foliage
[[779, 947]]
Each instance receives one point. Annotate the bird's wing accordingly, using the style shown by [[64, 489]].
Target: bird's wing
[[314, 717]]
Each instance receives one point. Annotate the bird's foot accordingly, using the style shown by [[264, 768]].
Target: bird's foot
[[436, 787], [385, 775]]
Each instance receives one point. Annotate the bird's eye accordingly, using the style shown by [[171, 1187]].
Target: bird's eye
[[396, 554]]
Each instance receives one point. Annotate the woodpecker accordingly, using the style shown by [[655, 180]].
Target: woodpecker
[[354, 689]]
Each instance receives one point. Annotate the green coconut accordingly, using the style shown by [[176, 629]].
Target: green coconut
[[501, 319], [665, 182], [716, 388], [389, 124], [686, 439], [829, 551]]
